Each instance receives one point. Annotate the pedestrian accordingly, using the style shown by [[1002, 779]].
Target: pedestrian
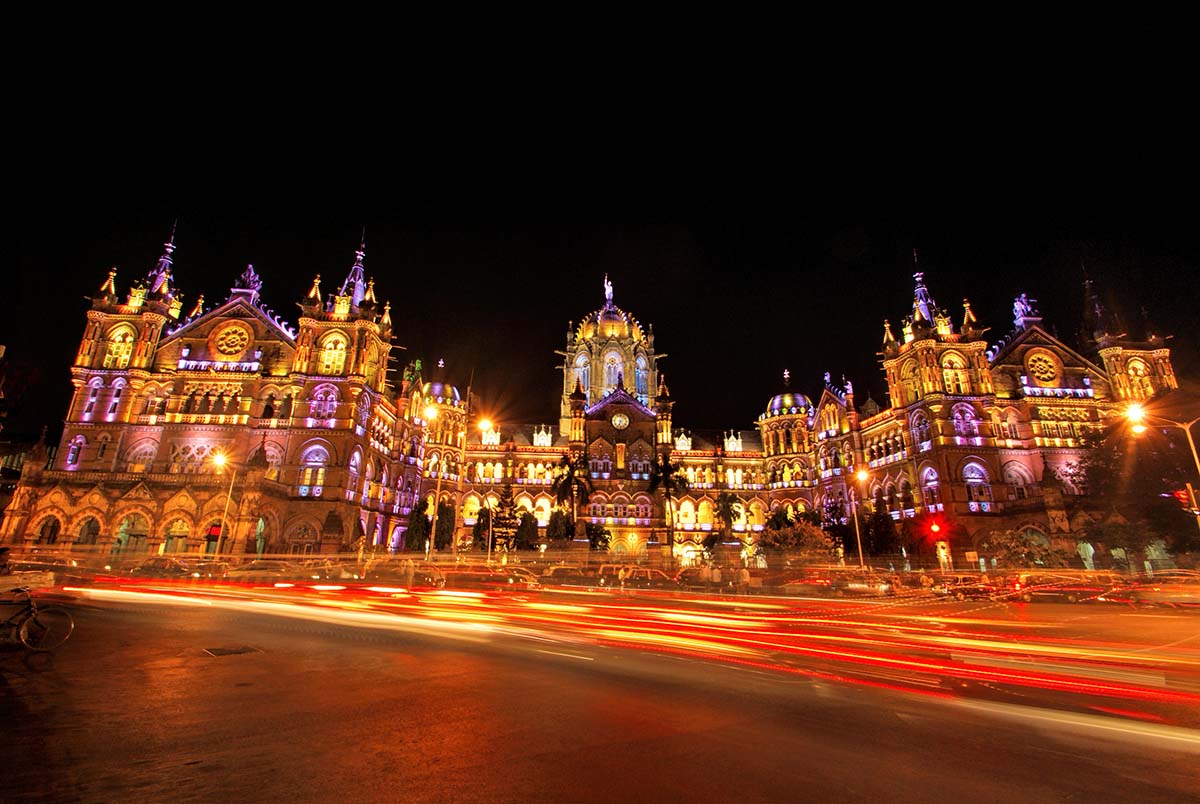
[[705, 577], [621, 575], [926, 582], [409, 571], [715, 578], [743, 581]]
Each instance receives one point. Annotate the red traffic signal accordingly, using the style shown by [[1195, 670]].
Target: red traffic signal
[[935, 528]]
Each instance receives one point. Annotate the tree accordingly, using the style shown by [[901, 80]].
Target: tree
[[526, 537], [879, 533], [507, 518], [479, 533], [836, 523], [729, 508], [445, 526], [670, 478], [560, 527], [1013, 548], [572, 481], [1133, 475], [418, 526], [599, 537]]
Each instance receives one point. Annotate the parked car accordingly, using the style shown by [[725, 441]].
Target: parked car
[[480, 576], [1167, 587], [1063, 587], [36, 562], [265, 569], [804, 583], [961, 587], [210, 569], [424, 576], [163, 567], [330, 571], [567, 576], [647, 578], [690, 578]]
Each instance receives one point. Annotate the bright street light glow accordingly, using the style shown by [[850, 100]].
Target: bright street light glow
[[485, 424], [1135, 413], [219, 460], [431, 413], [862, 475]]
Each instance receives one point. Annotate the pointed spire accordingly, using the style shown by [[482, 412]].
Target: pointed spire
[[199, 308], [314, 293], [386, 321], [888, 337], [369, 296], [664, 393], [355, 285], [923, 303], [620, 381], [160, 275], [578, 393], [109, 288], [968, 315]]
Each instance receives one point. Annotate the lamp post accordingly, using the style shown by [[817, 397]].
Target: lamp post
[[219, 460], [431, 414], [1137, 414], [861, 475]]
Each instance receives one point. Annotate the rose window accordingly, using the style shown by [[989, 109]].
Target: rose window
[[232, 341], [1043, 368]]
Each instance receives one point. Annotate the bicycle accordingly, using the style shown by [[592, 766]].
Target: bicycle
[[39, 628]]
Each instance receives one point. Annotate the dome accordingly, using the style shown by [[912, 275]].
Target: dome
[[787, 403], [609, 321], [443, 392]]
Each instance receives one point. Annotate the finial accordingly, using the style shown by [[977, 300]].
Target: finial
[[888, 337], [249, 280], [787, 378], [109, 288], [369, 296], [199, 308], [916, 262], [314, 293], [968, 315], [608, 290], [362, 243], [386, 320], [441, 363]]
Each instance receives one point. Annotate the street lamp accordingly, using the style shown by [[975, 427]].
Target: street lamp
[[431, 413], [219, 460], [1137, 414], [485, 425], [861, 475]]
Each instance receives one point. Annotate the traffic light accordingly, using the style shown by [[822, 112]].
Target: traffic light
[[935, 528]]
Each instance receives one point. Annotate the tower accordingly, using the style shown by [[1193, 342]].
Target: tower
[[608, 344]]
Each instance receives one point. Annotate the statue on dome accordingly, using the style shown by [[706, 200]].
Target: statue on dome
[[607, 290], [848, 384]]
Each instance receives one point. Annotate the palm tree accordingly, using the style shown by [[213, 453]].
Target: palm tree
[[728, 510], [571, 482], [670, 478]]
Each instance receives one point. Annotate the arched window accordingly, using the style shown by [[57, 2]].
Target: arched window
[[333, 355], [353, 471], [910, 383], [48, 532], [88, 531], [641, 379], [930, 489], [74, 451], [978, 488], [613, 366], [115, 401], [312, 471], [323, 404], [120, 348], [954, 374], [141, 456], [583, 371]]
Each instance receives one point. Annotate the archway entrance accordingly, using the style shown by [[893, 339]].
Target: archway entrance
[[176, 537], [132, 535]]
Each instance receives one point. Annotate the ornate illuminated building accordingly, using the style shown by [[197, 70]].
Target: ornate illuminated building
[[328, 452]]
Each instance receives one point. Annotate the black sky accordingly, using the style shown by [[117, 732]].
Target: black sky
[[741, 274]]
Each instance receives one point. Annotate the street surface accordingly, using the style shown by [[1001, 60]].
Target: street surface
[[335, 694]]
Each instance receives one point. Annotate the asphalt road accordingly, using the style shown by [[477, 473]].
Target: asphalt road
[[133, 708]]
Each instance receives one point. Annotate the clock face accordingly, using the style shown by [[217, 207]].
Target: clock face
[[620, 421]]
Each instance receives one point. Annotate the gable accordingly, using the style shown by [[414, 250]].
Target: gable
[[1036, 360], [237, 333]]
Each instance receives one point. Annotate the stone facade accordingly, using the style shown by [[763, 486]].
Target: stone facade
[[324, 454]]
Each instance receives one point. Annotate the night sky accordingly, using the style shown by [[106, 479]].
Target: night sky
[[741, 277]]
